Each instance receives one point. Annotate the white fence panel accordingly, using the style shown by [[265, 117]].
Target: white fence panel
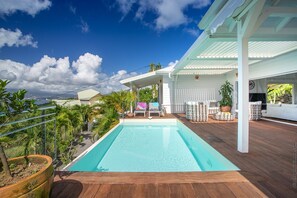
[[183, 95]]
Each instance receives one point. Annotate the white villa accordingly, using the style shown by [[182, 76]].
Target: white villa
[[243, 41]]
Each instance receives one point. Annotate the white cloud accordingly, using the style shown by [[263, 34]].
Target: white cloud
[[72, 9], [170, 13], [31, 7], [172, 64], [59, 76], [87, 67], [192, 31], [84, 26], [15, 38]]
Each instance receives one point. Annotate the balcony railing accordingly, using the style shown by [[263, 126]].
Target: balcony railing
[[41, 125]]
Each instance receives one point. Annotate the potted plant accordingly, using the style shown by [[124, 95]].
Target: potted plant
[[226, 91], [29, 176]]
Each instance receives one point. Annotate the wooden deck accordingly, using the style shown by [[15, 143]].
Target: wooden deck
[[267, 170]]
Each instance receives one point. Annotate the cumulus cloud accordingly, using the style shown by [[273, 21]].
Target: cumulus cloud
[[87, 66], [31, 7], [15, 38], [60, 77], [169, 13]]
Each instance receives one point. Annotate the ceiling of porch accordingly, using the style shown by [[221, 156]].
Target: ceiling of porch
[[215, 51]]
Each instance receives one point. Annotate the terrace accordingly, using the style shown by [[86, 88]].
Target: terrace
[[241, 41], [268, 170]]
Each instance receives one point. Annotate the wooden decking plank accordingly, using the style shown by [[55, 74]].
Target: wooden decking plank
[[218, 190], [200, 190], [71, 190], [236, 190], [89, 190], [176, 190], [147, 178], [127, 190], [58, 188], [250, 190], [115, 190], [151, 190], [140, 191], [163, 190], [103, 191]]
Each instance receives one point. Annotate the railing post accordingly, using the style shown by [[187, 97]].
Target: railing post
[[44, 132], [55, 141]]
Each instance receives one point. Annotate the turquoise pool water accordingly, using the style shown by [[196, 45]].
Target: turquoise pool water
[[152, 147]]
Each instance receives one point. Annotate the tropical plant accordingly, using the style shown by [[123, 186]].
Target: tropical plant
[[70, 122], [109, 115], [11, 104], [154, 67], [280, 93], [111, 107], [146, 95], [226, 92]]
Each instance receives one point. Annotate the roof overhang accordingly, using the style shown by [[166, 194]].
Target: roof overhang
[[150, 78], [142, 80], [215, 50]]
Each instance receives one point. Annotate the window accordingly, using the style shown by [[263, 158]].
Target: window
[[279, 93]]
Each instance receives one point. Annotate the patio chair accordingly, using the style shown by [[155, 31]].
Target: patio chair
[[213, 107], [154, 107], [197, 111], [140, 108], [255, 110]]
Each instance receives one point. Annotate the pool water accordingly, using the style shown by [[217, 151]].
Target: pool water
[[152, 147]]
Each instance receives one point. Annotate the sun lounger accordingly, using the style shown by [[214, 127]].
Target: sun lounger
[[140, 108], [154, 107]]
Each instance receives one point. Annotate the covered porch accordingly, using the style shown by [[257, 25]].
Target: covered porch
[[243, 42]]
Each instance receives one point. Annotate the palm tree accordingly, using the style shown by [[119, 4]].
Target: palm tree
[[280, 92], [112, 105], [154, 67]]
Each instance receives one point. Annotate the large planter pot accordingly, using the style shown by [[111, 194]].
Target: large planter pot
[[36, 185], [225, 109]]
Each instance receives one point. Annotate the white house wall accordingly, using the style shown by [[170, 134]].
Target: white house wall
[[187, 88]]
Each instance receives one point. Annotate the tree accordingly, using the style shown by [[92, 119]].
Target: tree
[[280, 93], [111, 106], [154, 67], [146, 95], [11, 104]]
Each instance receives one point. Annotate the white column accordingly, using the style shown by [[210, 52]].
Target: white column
[[294, 96], [137, 95], [243, 92], [131, 104], [166, 93]]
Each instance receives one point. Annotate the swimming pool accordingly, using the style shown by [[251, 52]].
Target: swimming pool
[[151, 146]]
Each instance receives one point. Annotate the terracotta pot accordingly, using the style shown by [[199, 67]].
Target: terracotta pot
[[130, 115], [36, 185], [225, 109]]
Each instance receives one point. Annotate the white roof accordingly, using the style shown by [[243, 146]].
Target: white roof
[[87, 94], [215, 50], [147, 79]]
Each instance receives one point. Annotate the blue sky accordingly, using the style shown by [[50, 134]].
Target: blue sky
[[57, 46]]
